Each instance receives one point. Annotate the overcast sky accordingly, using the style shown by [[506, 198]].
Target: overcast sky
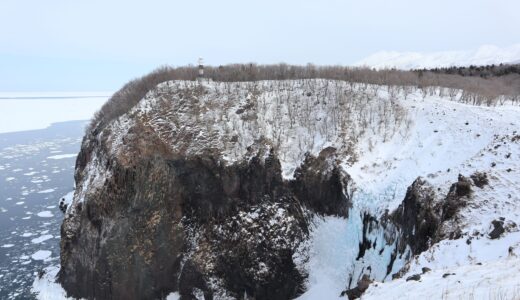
[[65, 45]]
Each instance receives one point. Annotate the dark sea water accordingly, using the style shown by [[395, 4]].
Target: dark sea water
[[33, 178]]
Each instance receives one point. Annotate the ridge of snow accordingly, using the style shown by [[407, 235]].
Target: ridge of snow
[[438, 140], [484, 55]]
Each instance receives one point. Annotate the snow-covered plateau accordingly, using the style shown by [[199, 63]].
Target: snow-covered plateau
[[429, 205]]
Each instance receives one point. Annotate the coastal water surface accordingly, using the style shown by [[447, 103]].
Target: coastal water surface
[[36, 171]]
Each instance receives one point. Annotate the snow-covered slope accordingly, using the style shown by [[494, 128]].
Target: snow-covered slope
[[485, 55], [493, 280], [446, 139]]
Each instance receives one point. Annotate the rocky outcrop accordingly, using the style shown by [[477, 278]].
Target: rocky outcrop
[[151, 219], [361, 287], [418, 217], [320, 184], [425, 218], [498, 229]]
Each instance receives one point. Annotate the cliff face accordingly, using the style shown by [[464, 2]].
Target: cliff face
[[191, 225], [218, 191], [153, 215]]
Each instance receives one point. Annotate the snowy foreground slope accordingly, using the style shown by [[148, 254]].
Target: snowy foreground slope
[[485, 55], [491, 280], [385, 138]]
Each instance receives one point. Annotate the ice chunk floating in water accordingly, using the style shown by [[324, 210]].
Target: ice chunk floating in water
[[41, 239], [45, 214], [41, 255], [62, 156]]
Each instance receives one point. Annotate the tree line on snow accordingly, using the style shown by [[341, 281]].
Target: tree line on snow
[[501, 84]]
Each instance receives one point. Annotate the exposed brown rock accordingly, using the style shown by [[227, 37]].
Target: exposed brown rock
[[357, 292], [480, 179], [153, 222]]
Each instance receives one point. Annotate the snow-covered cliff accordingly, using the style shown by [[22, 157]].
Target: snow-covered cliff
[[284, 189]]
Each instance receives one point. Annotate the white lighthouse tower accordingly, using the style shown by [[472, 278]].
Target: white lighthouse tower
[[201, 69]]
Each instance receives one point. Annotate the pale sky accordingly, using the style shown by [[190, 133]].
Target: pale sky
[[64, 45]]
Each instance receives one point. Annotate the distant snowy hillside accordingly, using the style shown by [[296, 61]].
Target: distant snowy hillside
[[23, 111], [485, 55]]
